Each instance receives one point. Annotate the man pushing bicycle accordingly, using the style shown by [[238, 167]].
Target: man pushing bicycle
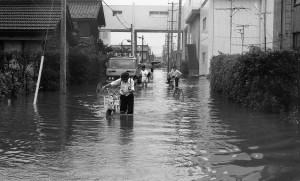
[[174, 74], [126, 91]]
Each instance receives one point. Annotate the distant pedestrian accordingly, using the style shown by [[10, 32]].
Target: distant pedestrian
[[144, 74], [152, 70]]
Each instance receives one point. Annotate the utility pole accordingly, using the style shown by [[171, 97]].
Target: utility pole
[[143, 48], [264, 21], [63, 48], [172, 31], [178, 57], [168, 51], [132, 40], [231, 14], [242, 31], [265, 24], [172, 28], [232, 10]]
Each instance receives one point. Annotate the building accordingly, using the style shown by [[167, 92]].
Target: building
[[144, 19], [224, 26], [88, 18], [26, 25], [287, 27]]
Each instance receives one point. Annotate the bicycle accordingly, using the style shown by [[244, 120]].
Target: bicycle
[[111, 100], [177, 91]]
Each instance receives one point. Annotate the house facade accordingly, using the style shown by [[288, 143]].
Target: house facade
[[88, 17], [27, 25], [221, 26]]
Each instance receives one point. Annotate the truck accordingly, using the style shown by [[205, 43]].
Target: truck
[[117, 65]]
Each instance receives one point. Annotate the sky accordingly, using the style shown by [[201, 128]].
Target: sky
[[154, 40]]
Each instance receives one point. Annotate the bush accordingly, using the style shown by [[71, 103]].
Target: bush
[[78, 67], [51, 72], [266, 81], [17, 71]]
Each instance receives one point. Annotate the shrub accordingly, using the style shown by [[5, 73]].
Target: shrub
[[266, 81]]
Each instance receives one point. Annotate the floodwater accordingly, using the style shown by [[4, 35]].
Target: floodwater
[[200, 137]]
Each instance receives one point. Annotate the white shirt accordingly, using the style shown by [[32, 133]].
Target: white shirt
[[175, 73], [124, 86], [144, 73]]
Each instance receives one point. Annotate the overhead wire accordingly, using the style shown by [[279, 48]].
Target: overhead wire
[[116, 15], [46, 37], [47, 30]]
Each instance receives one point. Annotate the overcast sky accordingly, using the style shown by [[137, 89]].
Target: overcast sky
[[154, 40]]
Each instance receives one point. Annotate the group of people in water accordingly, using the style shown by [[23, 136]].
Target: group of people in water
[[127, 86]]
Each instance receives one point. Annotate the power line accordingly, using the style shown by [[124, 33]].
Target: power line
[[116, 14], [47, 31], [233, 9]]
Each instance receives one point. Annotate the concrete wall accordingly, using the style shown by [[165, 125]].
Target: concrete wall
[[296, 15], [137, 15], [287, 25], [206, 21]]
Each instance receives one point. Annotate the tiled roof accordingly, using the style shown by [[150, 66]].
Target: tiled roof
[[29, 16], [81, 10], [87, 9]]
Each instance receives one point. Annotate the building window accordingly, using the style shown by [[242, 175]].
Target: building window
[[203, 57], [204, 23], [296, 41], [158, 13], [297, 2], [117, 13], [84, 29]]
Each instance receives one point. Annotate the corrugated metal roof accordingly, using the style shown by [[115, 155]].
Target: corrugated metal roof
[[29, 17]]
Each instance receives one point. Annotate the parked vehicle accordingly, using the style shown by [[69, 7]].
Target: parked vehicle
[[117, 65]]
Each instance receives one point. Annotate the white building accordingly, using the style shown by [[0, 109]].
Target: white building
[[145, 19], [225, 26]]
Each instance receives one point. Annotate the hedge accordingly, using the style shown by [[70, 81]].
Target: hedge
[[265, 81]]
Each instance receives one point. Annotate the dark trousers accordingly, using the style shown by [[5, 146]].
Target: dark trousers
[[176, 81], [127, 103]]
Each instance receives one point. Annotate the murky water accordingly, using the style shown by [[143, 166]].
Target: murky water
[[200, 137]]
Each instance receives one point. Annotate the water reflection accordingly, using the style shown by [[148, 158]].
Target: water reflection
[[201, 138]]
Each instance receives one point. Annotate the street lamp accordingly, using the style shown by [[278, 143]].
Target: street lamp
[[122, 43], [142, 47]]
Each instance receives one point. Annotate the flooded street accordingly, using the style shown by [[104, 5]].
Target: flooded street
[[200, 137]]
